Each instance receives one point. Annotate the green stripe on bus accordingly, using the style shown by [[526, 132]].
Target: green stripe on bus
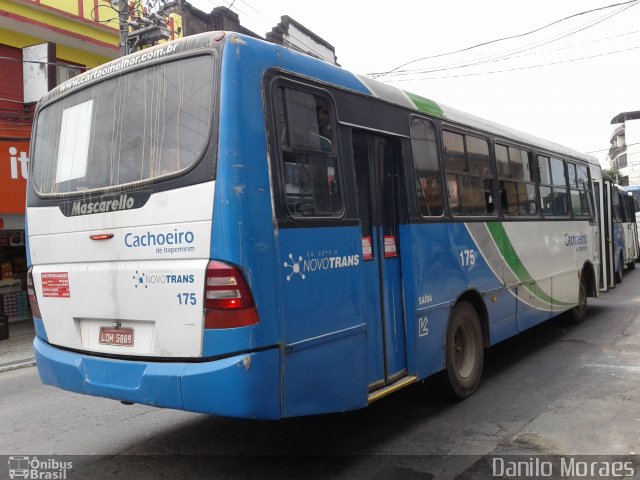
[[425, 105], [505, 246]]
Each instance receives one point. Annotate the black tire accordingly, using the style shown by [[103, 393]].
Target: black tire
[[631, 265], [464, 350], [579, 312], [617, 275]]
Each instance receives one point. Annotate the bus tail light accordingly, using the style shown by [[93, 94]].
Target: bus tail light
[[228, 302], [31, 292]]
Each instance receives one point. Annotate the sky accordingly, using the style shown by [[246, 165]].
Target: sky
[[563, 83]]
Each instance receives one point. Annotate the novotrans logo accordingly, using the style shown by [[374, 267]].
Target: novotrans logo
[[141, 280], [144, 279], [295, 267], [318, 261]]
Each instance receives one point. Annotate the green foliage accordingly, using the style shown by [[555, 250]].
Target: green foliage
[[611, 174]]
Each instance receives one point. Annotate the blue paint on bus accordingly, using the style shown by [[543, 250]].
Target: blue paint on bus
[[321, 344]]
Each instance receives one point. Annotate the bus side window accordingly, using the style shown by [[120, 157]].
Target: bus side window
[[580, 190], [625, 207], [469, 175], [553, 186], [616, 213], [427, 168], [517, 190], [309, 153]]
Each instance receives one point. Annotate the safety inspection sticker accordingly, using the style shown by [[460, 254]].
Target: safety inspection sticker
[[55, 284]]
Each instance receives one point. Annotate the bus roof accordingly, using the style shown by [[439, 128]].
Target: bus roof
[[375, 88], [430, 107]]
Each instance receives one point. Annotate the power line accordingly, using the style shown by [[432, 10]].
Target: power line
[[519, 68], [57, 64], [230, 6], [512, 57], [252, 8], [631, 2], [513, 54], [509, 55], [607, 149]]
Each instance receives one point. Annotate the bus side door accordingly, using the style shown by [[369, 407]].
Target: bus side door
[[377, 166]]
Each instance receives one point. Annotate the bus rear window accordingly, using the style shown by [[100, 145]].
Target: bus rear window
[[136, 127]]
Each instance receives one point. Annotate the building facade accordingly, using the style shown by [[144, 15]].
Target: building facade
[[624, 152]]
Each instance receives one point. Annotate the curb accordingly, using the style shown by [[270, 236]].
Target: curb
[[29, 362]]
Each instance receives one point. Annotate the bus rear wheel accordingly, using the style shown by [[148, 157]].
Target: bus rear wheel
[[464, 351]]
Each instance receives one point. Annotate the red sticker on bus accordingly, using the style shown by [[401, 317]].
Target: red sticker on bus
[[55, 284], [367, 248], [390, 249]]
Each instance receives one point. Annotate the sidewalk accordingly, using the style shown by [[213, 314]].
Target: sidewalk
[[17, 351]]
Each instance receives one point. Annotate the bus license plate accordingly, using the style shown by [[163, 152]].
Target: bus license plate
[[121, 337]]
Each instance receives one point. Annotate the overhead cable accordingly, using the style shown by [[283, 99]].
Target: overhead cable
[[520, 68], [514, 53], [630, 2]]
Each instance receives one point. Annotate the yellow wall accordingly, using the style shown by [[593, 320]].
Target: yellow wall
[[66, 16], [18, 40], [63, 14]]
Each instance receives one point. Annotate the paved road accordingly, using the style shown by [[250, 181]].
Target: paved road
[[556, 389]]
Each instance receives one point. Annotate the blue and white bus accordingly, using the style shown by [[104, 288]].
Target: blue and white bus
[[620, 234], [631, 194], [634, 190], [222, 225]]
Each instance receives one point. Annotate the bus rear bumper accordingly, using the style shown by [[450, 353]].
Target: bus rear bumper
[[244, 386]]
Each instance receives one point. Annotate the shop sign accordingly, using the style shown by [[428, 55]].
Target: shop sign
[[14, 168], [38, 71]]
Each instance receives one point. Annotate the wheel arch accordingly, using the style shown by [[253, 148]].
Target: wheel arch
[[620, 258], [475, 299], [588, 275]]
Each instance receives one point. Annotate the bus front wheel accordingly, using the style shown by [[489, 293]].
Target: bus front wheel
[[464, 352], [579, 312], [617, 275]]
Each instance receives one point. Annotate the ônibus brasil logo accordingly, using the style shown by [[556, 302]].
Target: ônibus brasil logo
[[313, 263]]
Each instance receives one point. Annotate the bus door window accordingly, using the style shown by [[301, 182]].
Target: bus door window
[[363, 191], [616, 211], [428, 177], [386, 160], [376, 182], [629, 215]]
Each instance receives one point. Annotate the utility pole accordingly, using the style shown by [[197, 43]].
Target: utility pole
[[123, 10], [146, 28]]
